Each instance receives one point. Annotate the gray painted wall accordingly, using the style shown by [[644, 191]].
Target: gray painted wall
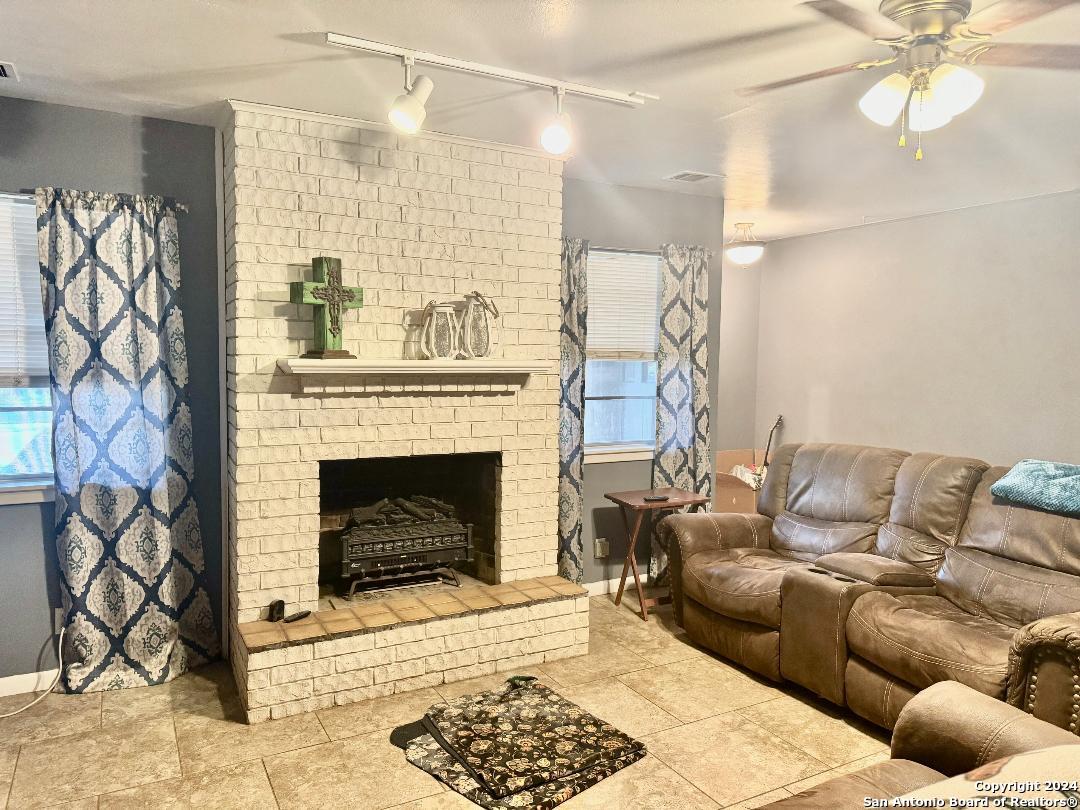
[[643, 219], [955, 332], [51, 145]]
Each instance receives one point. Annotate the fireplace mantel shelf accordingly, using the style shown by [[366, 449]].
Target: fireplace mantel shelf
[[414, 368]]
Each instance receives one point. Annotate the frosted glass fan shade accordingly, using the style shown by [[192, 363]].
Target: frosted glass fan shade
[[926, 112], [884, 101], [955, 88]]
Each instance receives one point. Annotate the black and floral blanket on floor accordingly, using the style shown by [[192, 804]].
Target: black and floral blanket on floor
[[521, 745]]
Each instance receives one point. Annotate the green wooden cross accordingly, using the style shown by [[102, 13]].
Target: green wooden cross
[[330, 300]]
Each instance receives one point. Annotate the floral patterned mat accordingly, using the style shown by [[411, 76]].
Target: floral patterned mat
[[521, 745]]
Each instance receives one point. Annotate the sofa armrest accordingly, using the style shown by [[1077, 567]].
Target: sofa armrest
[[1044, 670], [686, 534], [875, 570], [952, 728]]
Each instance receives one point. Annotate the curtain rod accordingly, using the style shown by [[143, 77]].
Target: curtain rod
[[22, 195]]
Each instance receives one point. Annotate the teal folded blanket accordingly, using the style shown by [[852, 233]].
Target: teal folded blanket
[[1048, 485]]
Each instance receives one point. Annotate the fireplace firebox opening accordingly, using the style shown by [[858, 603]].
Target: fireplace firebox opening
[[391, 522]]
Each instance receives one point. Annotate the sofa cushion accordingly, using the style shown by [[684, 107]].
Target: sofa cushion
[[933, 493], [926, 639], [772, 498], [1007, 591], [882, 780], [808, 538], [843, 482], [1021, 533], [741, 583]]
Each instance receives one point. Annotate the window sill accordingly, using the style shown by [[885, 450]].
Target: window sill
[[610, 454], [11, 494]]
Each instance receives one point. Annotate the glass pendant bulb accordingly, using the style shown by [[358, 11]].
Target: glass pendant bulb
[[926, 112], [884, 101], [556, 136], [956, 88]]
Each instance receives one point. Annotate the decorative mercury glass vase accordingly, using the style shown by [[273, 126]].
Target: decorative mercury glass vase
[[439, 331], [479, 326]]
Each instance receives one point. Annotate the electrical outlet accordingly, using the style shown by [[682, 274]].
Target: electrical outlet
[[601, 548], [58, 620]]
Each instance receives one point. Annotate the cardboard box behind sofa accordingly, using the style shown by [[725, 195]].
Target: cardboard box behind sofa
[[730, 493]]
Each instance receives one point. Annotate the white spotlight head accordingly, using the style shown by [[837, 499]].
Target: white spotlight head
[[408, 113], [556, 136]]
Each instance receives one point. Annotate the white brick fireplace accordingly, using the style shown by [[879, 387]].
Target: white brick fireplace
[[412, 219]]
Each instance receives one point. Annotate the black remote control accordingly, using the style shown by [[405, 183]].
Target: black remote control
[[655, 498]]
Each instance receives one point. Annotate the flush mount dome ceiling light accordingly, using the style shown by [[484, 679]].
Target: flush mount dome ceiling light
[[932, 40], [744, 249], [408, 111]]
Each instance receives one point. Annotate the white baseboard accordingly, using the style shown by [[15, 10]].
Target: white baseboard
[[604, 586], [30, 682]]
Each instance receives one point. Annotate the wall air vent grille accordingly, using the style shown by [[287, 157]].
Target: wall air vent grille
[[692, 176], [7, 71]]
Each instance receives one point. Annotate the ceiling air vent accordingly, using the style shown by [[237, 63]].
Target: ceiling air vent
[[7, 71], [692, 176]]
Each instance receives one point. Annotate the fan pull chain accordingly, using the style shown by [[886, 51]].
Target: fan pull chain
[[918, 150], [903, 127]]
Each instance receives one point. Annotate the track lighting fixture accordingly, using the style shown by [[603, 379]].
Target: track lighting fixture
[[744, 249], [556, 136], [408, 111]]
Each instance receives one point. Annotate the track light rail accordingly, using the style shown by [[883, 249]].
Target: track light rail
[[634, 98]]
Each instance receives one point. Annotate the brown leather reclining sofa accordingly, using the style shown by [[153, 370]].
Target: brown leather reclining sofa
[[869, 574]]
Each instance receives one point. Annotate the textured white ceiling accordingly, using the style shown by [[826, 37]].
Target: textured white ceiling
[[796, 161]]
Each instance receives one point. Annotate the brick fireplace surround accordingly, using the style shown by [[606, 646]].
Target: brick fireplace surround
[[412, 219]]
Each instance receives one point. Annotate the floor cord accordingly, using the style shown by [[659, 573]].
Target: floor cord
[[56, 680]]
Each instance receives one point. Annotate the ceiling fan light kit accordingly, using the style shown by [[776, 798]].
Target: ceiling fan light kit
[[408, 111], [934, 40]]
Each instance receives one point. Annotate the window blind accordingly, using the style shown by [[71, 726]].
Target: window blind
[[624, 293], [22, 325]]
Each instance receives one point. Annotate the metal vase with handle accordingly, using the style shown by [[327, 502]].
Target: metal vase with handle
[[479, 326], [439, 334]]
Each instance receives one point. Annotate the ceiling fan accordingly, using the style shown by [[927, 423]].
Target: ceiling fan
[[932, 41]]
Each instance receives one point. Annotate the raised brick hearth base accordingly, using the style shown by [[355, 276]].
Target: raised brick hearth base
[[378, 648]]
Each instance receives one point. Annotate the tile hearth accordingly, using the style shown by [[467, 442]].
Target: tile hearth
[[208, 757], [405, 643]]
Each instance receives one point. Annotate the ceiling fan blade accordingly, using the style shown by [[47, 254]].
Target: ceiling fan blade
[[1006, 14], [1032, 55], [874, 26], [806, 77]]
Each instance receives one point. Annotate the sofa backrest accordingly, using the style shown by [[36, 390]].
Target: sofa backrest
[[933, 493], [1012, 563], [825, 498]]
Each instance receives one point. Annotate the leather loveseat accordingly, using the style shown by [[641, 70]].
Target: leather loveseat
[[869, 574], [948, 730]]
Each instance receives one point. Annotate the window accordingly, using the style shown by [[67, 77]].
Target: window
[[620, 365], [25, 407]]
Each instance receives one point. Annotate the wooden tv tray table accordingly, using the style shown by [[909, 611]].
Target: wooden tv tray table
[[634, 501]]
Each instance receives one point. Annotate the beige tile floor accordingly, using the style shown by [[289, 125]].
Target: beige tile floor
[[717, 737]]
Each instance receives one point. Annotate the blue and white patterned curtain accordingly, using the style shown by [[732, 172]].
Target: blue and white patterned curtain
[[128, 538], [575, 307], [682, 382]]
